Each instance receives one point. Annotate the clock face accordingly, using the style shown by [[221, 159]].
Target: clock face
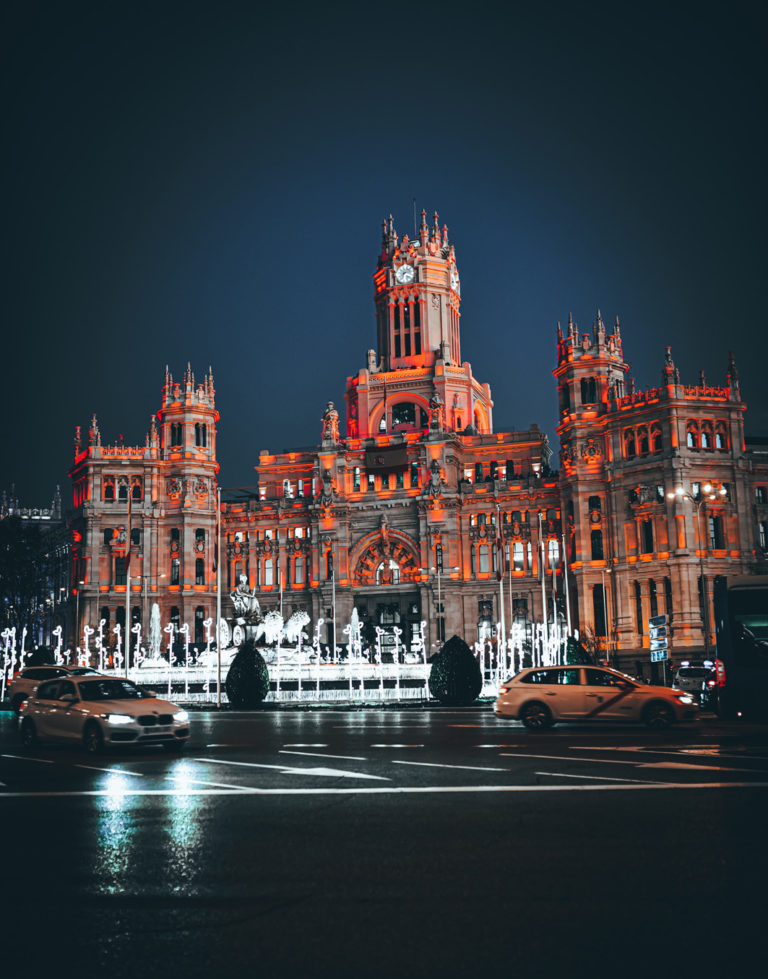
[[404, 273], [455, 285]]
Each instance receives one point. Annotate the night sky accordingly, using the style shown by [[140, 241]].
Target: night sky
[[207, 181]]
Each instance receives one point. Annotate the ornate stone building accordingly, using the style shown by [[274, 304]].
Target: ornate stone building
[[420, 511]]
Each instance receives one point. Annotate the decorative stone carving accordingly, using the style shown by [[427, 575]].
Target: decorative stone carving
[[590, 450], [330, 424]]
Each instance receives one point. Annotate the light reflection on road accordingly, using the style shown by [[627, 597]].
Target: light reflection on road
[[115, 835], [183, 830]]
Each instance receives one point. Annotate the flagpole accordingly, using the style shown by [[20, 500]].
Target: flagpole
[[218, 596], [543, 574], [128, 586], [567, 596], [500, 577]]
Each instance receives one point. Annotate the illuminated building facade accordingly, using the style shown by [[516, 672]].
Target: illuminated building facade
[[419, 508], [145, 516]]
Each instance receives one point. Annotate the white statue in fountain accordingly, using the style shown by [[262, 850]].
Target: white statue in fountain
[[244, 600], [155, 632], [293, 630], [270, 628]]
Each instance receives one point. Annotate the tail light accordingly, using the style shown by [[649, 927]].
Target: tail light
[[720, 669]]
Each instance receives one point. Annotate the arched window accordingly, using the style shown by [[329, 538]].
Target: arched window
[[692, 435], [642, 440], [201, 434], [122, 492], [199, 571], [721, 436], [108, 489], [136, 490], [629, 444], [588, 391], [596, 539], [656, 439], [175, 434], [707, 438]]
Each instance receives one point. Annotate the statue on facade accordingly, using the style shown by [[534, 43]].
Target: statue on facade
[[436, 412], [330, 424], [434, 487], [244, 600]]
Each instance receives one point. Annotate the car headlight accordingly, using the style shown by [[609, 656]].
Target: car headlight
[[119, 718], [180, 716], [685, 699]]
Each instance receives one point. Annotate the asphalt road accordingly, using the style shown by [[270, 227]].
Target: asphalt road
[[385, 842]]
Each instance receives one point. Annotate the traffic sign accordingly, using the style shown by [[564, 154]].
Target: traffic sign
[[657, 620], [659, 643], [659, 655], [659, 631]]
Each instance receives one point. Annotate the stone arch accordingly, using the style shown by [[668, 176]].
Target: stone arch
[[378, 549], [481, 419], [378, 411]]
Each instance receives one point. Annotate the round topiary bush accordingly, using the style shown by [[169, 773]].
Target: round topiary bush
[[247, 682], [455, 676]]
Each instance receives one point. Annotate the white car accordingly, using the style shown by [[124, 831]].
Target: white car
[[100, 710], [541, 696]]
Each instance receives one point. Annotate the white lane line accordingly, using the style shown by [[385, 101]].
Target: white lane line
[[496, 746], [287, 770], [111, 771], [397, 745], [626, 761], [201, 781], [431, 764], [320, 754], [304, 746], [43, 761], [707, 751], [603, 778], [397, 790]]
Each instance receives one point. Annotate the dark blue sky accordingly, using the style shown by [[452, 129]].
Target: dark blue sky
[[206, 182]]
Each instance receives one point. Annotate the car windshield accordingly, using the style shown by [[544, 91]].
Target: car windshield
[[693, 672], [109, 690], [84, 671]]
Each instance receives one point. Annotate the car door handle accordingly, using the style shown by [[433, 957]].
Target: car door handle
[[593, 694], [551, 693]]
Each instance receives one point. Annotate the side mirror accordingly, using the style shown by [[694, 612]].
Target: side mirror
[[68, 698], [150, 693]]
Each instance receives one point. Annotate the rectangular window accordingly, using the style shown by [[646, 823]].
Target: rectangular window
[[120, 574], [356, 480], [483, 559], [517, 551], [414, 474], [268, 573], [299, 570], [371, 482], [647, 536], [400, 479], [175, 569]]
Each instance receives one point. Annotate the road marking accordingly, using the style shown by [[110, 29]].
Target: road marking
[[395, 790], [397, 745], [430, 764], [111, 771], [304, 745], [496, 746], [622, 761], [201, 781], [319, 754], [604, 778], [682, 764], [43, 761], [284, 770]]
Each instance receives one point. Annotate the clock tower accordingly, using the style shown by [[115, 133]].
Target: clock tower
[[417, 371]]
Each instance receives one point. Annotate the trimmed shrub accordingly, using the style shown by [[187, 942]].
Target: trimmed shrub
[[247, 682], [455, 677]]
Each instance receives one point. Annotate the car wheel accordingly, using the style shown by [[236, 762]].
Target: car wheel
[[536, 716], [93, 739], [28, 732], [658, 715]]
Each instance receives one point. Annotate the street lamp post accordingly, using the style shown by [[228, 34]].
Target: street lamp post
[[77, 610], [605, 620], [709, 494], [440, 615]]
